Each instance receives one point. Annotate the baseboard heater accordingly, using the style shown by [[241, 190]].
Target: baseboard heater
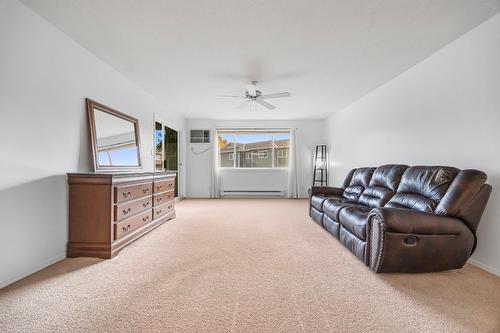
[[254, 193]]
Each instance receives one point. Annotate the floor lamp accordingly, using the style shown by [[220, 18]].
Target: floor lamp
[[320, 173]]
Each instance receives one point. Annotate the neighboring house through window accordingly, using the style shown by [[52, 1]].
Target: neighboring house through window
[[263, 154], [253, 148], [282, 153]]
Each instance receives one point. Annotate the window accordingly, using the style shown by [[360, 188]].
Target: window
[[159, 138], [225, 144], [253, 149]]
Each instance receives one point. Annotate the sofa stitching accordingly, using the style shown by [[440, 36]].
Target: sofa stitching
[[378, 262], [372, 242]]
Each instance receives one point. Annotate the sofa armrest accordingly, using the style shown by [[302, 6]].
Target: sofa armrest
[[326, 190], [405, 240], [411, 221]]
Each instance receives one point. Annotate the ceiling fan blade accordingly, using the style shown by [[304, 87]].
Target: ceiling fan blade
[[277, 95], [253, 106], [229, 96], [266, 104], [241, 105], [252, 90]]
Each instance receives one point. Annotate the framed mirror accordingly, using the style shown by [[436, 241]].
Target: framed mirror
[[114, 138]]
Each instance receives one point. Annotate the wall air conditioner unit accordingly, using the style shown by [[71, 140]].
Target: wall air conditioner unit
[[258, 193], [199, 136]]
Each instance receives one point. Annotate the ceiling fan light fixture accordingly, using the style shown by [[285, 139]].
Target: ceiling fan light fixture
[[254, 97]]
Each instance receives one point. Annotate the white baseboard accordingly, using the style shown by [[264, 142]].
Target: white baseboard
[[35, 269], [487, 268]]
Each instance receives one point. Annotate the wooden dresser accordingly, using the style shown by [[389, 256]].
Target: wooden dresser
[[109, 211]]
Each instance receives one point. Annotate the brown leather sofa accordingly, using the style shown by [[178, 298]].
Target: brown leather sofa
[[397, 218]]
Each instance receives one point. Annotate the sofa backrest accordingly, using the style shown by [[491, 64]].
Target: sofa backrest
[[348, 178], [422, 187], [466, 197], [383, 185], [359, 181]]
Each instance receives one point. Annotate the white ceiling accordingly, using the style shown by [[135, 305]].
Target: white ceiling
[[327, 53]]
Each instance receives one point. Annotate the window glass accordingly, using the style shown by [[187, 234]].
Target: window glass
[[158, 146], [225, 143], [281, 145], [261, 149], [257, 146]]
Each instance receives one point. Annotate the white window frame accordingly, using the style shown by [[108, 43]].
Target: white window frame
[[231, 156], [263, 153], [248, 156]]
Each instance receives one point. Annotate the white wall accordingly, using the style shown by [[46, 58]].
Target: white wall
[[443, 111], [309, 133], [44, 78]]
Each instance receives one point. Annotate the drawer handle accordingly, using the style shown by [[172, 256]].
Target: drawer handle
[[126, 194], [158, 187], [170, 185], [144, 219], [127, 228], [145, 190], [169, 206], [158, 211], [126, 211], [159, 199], [145, 204]]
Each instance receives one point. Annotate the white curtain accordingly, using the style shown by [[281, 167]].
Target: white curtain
[[214, 188], [293, 186]]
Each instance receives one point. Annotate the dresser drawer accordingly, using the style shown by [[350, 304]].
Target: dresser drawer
[[130, 192], [160, 199], [164, 185], [130, 208], [163, 209], [125, 227]]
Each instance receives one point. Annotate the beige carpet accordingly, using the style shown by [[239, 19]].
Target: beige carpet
[[245, 265]]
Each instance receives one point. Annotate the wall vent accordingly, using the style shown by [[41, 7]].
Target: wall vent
[[200, 136]]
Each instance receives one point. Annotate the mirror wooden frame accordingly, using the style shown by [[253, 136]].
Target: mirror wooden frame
[[91, 105]]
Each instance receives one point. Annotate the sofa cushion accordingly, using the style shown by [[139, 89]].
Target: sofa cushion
[[354, 219], [353, 243], [423, 187], [318, 199], [359, 181], [331, 226], [383, 185], [316, 215], [332, 207]]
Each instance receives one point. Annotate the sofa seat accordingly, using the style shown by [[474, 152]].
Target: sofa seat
[[353, 243], [333, 206], [331, 226], [354, 219], [317, 200]]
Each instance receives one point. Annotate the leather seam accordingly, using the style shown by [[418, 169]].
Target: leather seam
[[381, 245]]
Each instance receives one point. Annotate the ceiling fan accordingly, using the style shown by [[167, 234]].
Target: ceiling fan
[[254, 97]]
